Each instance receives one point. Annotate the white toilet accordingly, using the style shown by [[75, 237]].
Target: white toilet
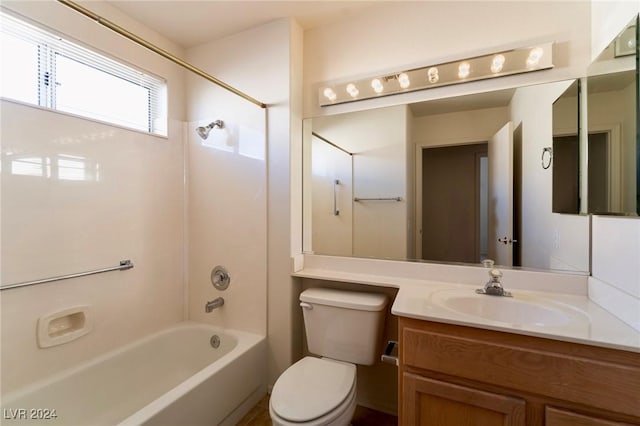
[[345, 328]]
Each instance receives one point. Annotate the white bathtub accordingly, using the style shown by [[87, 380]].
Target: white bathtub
[[174, 377]]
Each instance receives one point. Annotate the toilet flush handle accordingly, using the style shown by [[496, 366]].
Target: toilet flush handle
[[306, 305]]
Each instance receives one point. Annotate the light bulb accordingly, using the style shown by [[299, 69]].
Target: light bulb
[[534, 56], [432, 75], [464, 69], [497, 63], [404, 81], [377, 86], [330, 94], [352, 90]]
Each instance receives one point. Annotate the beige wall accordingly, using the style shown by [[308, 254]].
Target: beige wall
[[436, 31], [608, 18], [459, 127], [130, 208]]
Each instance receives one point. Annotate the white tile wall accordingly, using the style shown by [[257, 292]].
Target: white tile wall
[[227, 197], [619, 303], [615, 284], [119, 197]]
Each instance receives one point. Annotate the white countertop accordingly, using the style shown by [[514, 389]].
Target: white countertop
[[587, 322], [583, 321]]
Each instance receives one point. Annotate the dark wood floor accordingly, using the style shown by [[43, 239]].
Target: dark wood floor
[[259, 416]]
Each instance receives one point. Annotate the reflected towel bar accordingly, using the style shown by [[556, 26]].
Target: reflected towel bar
[[123, 266], [378, 199]]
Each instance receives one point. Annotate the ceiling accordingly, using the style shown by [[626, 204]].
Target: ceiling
[[191, 23]]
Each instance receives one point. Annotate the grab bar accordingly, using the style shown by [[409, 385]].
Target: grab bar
[[123, 266], [378, 199], [336, 211]]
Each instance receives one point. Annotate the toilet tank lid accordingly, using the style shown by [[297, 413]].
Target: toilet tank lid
[[345, 299]]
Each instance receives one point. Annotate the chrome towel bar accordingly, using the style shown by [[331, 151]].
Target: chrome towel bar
[[123, 266], [378, 199]]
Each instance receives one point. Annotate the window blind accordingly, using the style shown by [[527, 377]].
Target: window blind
[[43, 68]]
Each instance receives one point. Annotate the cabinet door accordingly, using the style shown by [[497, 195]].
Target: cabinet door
[[557, 417], [428, 402]]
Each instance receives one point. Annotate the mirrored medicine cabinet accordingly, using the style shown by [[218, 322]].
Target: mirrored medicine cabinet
[[489, 175], [596, 154]]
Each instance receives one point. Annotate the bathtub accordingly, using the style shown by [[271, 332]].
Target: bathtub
[[173, 377]]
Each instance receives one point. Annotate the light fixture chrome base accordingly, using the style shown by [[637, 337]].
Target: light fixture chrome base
[[497, 64]]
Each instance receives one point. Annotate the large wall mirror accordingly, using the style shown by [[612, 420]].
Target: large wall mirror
[[612, 120], [566, 150], [596, 155], [452, 180]]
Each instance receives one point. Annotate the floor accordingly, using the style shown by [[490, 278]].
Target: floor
[[259, 416]]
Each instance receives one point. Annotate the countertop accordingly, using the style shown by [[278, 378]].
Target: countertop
[[583, 321], [586, 322]]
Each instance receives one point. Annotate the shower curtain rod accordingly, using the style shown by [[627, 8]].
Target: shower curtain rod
[[142, 42], [325, 140]]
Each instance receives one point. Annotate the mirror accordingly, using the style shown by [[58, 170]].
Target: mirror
[[451, 180], [612, 120], [565, 152]]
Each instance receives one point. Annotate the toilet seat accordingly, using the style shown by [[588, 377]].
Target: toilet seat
[[314, 388]]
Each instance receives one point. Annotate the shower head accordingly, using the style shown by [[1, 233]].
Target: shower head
[[203, 132]]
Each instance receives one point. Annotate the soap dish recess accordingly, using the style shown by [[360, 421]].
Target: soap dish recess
[[64, 326]]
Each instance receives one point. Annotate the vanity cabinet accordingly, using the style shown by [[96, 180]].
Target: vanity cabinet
[[453, 375], [437, 402]]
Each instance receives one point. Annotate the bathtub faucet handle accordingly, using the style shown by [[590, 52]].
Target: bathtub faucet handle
[[213, 304], [220, 278]]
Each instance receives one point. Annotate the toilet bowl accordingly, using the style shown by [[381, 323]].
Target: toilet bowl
[[345, 328], [314, 392]]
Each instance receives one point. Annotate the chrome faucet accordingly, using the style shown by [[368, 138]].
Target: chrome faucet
[[493, 287], [213, 304]]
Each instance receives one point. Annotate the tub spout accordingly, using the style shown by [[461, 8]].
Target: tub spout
[[215, 303]]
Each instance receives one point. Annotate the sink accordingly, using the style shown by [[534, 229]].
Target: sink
[[520, 310]]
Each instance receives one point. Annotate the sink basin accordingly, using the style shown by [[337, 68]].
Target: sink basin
[[518, 310]]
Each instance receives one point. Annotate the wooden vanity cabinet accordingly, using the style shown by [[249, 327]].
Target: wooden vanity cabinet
[[462, 376]]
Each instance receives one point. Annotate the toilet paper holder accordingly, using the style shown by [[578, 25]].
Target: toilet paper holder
[[388, 355]]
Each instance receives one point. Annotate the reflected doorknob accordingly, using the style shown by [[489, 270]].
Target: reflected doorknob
[[506, 240]]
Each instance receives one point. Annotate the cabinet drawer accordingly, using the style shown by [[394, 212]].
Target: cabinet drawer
[[557, 417], [533, 366]]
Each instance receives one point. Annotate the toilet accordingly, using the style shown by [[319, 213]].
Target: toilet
[[345, 329]]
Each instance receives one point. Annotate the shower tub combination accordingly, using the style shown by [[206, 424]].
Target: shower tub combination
[[174, 377]]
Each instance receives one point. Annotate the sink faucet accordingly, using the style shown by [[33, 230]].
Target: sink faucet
[[493, 287], [215, 303]]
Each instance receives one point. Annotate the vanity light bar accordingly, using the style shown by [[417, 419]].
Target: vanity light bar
[[498, 64]]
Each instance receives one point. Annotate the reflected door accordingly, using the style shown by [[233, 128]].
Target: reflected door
[[453, 197], [501, 196]]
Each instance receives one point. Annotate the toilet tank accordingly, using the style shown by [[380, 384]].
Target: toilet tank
[[344, 325]]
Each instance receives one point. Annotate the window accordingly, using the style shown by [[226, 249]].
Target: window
[[40, 68]]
